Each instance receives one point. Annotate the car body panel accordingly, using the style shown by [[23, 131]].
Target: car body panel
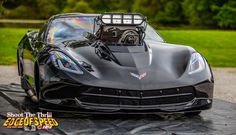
[[113, 85]]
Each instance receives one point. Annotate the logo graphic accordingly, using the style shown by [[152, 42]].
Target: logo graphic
[[141, 76], [30, 121]]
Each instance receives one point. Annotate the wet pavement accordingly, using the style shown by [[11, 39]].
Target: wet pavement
[[220, 120]]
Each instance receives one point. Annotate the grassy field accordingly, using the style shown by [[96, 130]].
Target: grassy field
[[219, 47], [9, 39]]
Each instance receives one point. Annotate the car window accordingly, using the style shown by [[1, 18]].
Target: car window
[[63, 28], [151, 34]]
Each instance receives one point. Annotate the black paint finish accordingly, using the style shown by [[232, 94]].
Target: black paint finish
[[164, 68]]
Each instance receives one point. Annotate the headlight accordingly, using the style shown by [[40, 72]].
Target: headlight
[[63, 62], [197, 63]]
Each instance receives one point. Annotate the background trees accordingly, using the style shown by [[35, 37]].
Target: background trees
[[226, 15], [195, 13]]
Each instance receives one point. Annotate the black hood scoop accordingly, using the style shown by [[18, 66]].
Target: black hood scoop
[[104, 52], [128, 56], [131, 56]]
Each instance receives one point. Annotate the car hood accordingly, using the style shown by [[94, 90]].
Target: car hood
[[138, 67]]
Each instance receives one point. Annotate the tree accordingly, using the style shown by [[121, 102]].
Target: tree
[[148, 8], [207, 13], [47, 8], [21, 12], [12, 4], [172, 12], [111, 5], [18, 9], [1, 9], [77, 6], [119, 5], [27, 9], [99, 5], [199, 12], [226, 17]]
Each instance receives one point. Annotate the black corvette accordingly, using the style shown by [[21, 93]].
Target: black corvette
[[111, 63]]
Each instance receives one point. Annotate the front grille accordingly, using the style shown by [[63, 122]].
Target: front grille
[[107, 96]]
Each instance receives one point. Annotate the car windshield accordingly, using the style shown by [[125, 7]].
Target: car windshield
[[63, 28], [151, 34], [70, 27]]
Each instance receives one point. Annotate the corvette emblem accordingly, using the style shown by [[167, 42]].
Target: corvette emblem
[[141, 76]]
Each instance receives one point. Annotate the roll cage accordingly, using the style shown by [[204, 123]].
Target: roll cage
[[121, 28]]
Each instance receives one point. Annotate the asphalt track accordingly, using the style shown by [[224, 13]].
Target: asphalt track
[[220, 120]]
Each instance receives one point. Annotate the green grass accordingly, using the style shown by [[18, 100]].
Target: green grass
[[219, 47], [9, 39]]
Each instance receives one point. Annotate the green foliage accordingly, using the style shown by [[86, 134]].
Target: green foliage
[[19, 9], [160, 11], [199, 12], [147, 7], [226, 17], [1, 9], [119, 5], [195, 13], [47, 8], [77, 6], [171, 14], [9, 39], [37, 9], [20, 12], [99, 5]]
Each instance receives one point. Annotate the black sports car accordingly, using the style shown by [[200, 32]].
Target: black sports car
[[111, 63]]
